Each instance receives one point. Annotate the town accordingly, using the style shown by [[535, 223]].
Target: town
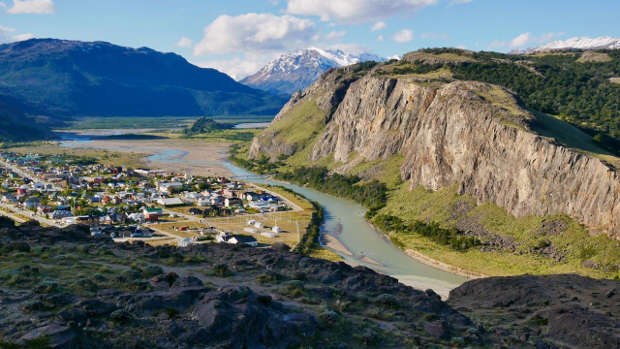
[[152, 205]]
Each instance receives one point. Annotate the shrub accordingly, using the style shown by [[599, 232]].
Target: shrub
[[152, 270]]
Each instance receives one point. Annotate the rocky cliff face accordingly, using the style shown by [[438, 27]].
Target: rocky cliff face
[[469, 134]]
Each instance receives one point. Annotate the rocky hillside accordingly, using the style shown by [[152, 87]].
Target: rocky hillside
[[64, 289], [475, 136]]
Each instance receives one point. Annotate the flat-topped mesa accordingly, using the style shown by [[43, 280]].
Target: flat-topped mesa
[[472, 135]]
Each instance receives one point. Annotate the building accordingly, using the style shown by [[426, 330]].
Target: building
[[152, 214], [170, 187], [184, 242], [230, 202], [225, 237], [242, 240], [166, 202]]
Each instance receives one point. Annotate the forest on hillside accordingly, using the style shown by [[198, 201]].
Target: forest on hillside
[[578, 91]]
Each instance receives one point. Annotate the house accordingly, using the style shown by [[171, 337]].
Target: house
[[166, 202], [31, 203], [242, 240], [222, 236], [204, 202], [75, 220], [63, 208], [9, 198], [59, 214], [136, 217], [184, 242], [44, 209], [217, 200], [191, 195], [142, 171], [22, 190], [170, 187], [152, 214], [250, 196], [262, 206], [230, 202]]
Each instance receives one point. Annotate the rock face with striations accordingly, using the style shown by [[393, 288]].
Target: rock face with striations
[[472, 135]]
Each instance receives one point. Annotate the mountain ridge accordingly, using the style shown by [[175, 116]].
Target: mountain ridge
[[296, 70], [581, 43], [72, 78]]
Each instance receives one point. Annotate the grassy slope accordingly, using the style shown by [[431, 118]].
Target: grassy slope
[[288, 129], [420, 204]]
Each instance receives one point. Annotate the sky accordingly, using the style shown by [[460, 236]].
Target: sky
[[240, 36]]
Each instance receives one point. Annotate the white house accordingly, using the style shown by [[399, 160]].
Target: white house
[[170, 187], [170, 202], [242, 240], [184, 242]]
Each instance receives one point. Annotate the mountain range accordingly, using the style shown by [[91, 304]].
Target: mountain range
[[71, 78], [580, 43], [295, 71]]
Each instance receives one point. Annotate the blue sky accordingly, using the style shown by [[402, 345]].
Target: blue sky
[[239, 36]]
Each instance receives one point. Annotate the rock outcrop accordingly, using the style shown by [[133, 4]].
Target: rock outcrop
[[569, 310], [471, 135], [60, 288]]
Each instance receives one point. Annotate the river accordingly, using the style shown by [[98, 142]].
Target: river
[[344, 220]]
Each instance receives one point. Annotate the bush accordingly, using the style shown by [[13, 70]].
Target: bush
[[152, 270], [450, 237]]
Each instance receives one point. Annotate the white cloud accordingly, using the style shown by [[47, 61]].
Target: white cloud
[[380, 38], [22, 37], [458, 2], [378, 26], [7, 35], [31, 7], [185, 42], [404, 35], [528, 38], [521, 40], [355, 10], [6, 29], [255, 32], [237, 68], [335, 35]]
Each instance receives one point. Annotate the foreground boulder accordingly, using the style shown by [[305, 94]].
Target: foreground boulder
[[567, 310]]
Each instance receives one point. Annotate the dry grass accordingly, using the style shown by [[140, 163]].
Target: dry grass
[[292, 223], [594, 57]]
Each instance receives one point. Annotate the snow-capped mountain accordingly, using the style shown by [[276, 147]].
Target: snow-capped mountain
[[582, 43], [297, 70]]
